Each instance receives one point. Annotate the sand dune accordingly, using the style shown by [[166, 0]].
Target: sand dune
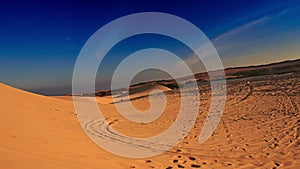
[[143, 90], [260, 128], [43, 132], [135, 92]]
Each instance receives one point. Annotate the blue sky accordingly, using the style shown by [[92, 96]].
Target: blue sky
[[40, 41]]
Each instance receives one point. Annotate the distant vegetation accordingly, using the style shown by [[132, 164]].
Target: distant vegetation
[[269, 70], [231, 73]]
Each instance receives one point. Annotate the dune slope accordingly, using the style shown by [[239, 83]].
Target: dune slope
[[43, 132]]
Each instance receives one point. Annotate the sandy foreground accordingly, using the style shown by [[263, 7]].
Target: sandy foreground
[[260, 128]]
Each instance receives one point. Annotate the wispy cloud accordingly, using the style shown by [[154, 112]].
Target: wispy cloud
[[241, 35], [228, 40], [246, 39], [247, 33], [241, 29]]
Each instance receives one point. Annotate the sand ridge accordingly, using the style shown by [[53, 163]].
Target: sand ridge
[[134, 92]]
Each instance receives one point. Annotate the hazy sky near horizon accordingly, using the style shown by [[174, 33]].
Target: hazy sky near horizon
[[40, 40]]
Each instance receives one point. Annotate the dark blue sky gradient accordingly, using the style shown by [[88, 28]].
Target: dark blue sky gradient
[[40, 40]]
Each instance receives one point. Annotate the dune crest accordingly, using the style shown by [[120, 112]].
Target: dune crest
[[135, 92]]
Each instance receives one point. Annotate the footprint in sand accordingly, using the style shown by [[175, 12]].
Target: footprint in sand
[[195, 166], [192, 158], [277, 164], [180, 166]]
